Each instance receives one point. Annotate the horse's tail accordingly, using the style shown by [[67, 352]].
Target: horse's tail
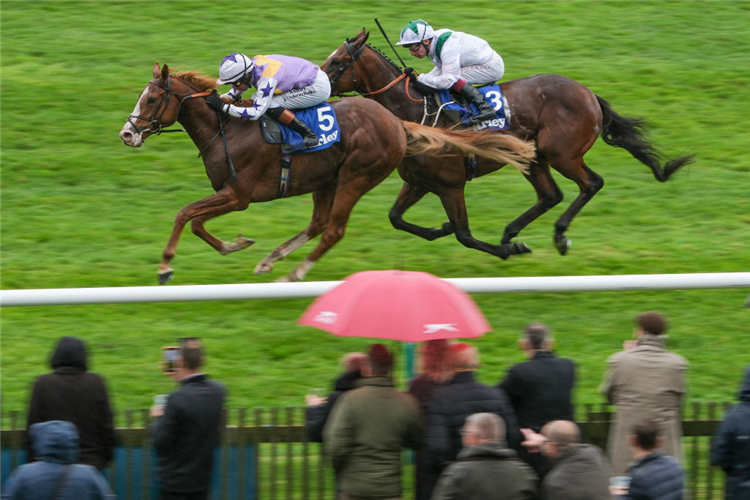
[[502, 148], [630, 134]]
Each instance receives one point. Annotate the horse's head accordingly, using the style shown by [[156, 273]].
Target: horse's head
[[158, 106], [340, 65]]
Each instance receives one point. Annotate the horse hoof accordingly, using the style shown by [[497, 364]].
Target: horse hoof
[[521, 248], [239, 244], [263, 268], [562, 244], [166, 277]]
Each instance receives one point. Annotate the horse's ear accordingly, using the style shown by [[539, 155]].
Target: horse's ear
[[367, 35], [157, 70], [164, 72]]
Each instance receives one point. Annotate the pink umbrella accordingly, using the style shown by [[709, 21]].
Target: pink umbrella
[[399, 305]]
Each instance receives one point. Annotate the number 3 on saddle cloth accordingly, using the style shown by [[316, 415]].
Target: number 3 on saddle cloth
[[321, 119], [494, 97]]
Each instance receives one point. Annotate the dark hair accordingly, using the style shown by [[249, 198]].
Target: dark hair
[[652, 322], [646, 433], [536, 334], [380, 360], [192, 353]]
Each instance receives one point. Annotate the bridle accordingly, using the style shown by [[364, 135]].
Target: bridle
[[154, 125], [353, 57]]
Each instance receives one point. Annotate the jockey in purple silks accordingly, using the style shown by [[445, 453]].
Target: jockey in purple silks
[[282, 83]]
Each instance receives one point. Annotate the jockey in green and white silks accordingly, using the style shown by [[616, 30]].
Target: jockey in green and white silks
[[460, 60], [282, 83]]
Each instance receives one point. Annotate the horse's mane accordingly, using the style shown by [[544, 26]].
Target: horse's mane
[[201, 81], [382, 54]]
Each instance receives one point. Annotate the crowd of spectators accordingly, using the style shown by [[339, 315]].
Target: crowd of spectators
[[515, 440]]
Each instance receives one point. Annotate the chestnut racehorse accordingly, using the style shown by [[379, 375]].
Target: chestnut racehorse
[[243, 168], [561, 115]]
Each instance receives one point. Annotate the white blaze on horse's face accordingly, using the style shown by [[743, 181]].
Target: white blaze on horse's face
[[128, 134]]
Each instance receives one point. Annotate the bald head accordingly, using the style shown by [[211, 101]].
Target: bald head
[[563, 433]]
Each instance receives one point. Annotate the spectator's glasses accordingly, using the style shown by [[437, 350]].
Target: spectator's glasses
[[413, 47], [243, 80]]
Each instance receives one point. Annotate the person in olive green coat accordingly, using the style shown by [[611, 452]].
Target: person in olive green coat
[[367, 430]]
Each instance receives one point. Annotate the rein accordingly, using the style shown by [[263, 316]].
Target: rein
[[168, 92], [353, 57]]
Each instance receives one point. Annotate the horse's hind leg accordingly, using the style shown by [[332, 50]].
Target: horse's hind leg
[[408, 196], [322, 200], [548, 195], [589, 182], [454, 204], [224, 201]]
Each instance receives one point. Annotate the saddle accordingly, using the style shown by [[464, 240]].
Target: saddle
[[321, 119], [457, 110]]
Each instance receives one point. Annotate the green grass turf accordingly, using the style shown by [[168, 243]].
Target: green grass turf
[[79, 209]]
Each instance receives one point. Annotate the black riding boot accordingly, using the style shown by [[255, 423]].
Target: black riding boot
[[287, 117], [475, 97]]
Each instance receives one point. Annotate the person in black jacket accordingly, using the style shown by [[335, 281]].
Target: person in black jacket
[[541, 389], [731, 448], [464, 396], [72, 394], [435, 372], [318, 409], [186, 431]]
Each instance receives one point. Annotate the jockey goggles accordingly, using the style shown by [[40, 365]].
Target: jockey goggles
[[243, 80]]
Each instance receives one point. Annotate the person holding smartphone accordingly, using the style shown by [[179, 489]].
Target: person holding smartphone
[[187, 428]]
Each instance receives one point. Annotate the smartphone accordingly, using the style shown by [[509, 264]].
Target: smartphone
[[169, 358]]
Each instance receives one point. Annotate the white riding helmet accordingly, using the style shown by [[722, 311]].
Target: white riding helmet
[[232, 67], [415, 32]]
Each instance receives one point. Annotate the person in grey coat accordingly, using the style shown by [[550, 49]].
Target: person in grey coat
[[579, 471], [731, 448], [56, 475], [485, 466]]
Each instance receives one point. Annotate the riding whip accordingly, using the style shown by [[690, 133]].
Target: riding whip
[[389, 42]]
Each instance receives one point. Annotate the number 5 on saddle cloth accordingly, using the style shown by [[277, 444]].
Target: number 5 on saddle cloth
[[321, 119]]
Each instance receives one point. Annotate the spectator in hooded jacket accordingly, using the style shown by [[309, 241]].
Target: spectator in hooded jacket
[[73, 394], [731, 448], [56, 474]]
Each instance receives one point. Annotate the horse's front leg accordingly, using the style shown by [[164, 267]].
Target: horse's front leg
[[322, 201], [222, 202], [408, 196]]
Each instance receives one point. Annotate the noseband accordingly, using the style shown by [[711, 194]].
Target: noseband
[[160, 109], [154, 123]]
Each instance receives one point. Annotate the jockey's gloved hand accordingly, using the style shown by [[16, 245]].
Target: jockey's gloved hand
[[411, 72], [215, 101]]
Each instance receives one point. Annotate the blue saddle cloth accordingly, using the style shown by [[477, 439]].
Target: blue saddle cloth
[[321, 119], [493, 94]]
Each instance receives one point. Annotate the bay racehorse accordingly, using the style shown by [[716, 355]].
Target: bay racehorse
[[243, 168], [561, 115]]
